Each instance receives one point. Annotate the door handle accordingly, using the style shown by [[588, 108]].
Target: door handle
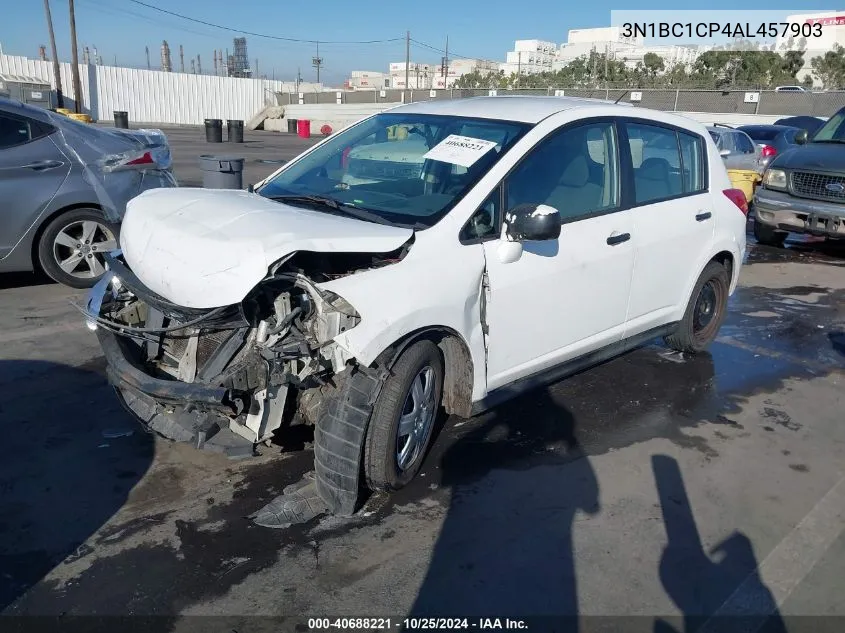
[[704, 215], [618, 238], [43, 165]]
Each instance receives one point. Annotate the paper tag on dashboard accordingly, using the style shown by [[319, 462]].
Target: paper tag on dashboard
[[460, 150]]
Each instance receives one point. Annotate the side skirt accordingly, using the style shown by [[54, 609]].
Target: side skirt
[[569, 368]]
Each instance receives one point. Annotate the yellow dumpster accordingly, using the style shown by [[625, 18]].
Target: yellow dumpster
[[746, 180], [82, 118], [64, 111]]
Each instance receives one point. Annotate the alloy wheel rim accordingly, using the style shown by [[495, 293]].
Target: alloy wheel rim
[[79, 247], [415, 419]]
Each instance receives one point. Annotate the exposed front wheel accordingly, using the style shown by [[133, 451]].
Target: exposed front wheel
[[768, 236], [403, 418], [72, 246], [705, 311]]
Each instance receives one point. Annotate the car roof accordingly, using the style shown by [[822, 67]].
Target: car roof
[[13, 106], [520, 108], [763, 126]]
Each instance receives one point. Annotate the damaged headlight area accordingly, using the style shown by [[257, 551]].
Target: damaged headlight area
[[224, 378]]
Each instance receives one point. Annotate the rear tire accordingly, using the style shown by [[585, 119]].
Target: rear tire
[[768, 236], [403, 418], [705, 311], [72, 246]]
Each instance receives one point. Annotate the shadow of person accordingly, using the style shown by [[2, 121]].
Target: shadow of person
[[717, 592], [518, 481], [69, 456]]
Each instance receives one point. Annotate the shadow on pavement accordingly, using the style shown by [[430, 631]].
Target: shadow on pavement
[[506, 544], [69, 456], [717, 591], [521, 477], [23, 280]]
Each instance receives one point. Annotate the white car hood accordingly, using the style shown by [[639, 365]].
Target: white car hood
[[205, 248]]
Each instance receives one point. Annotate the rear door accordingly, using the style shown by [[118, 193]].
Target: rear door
[[31, 171], [746, 154], [673, 218]]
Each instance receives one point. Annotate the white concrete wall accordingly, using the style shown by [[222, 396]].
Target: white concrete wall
[[151, 96]]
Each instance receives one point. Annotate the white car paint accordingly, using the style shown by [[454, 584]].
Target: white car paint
[[205, 248], [542, 307]]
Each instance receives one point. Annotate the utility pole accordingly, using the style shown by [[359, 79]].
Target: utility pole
[[57, 73], [446, 66], [147, 51], [255, 74], [407, 63], [199, 65], [317, 62], [77, 85], [181, 59]]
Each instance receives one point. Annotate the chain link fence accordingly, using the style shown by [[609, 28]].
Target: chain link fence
[[769, 102]]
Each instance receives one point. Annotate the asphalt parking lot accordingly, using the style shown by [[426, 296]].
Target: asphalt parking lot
[[655, 485]]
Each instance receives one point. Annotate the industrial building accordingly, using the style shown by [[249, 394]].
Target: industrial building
[[833, 32], [529, 56], [631, 50]]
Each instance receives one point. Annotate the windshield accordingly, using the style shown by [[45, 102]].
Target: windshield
[[403, 169], [833, 130]]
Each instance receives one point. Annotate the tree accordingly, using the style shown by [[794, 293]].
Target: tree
[[653, 64], [830, 67]]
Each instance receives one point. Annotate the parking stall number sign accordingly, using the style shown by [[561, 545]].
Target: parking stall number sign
[[459, 150]]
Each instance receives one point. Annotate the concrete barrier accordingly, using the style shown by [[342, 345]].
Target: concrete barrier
[[342, 115]]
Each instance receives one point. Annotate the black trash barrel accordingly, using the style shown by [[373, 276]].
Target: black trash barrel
[[235, 130], [222, 172], [121, 119], [292, 123], [214, 130]]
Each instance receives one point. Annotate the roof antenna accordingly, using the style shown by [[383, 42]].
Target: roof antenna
[[622, 95]]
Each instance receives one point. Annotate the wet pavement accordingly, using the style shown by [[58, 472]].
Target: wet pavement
[[665, 486]]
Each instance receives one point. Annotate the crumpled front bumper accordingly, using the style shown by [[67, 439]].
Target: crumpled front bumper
[[197, 413]]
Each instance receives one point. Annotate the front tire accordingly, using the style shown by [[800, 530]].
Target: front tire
[[403, 418], [768, 236], [71, 248], [705, 311]]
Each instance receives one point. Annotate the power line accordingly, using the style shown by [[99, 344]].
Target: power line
[[452, 54], [264, 35]]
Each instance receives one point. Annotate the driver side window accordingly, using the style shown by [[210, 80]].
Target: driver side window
[[575, 170]]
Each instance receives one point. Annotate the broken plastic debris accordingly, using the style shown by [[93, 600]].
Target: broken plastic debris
[[111, 434]]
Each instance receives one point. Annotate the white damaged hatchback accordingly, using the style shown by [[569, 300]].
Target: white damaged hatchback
[[439, 256]]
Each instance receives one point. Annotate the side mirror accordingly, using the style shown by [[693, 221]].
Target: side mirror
[[532, 223], [801, 137], [725, 153]]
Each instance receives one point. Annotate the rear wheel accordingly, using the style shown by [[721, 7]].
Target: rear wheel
[[72, 247], [768, 236], [705, 311], [403, 418]]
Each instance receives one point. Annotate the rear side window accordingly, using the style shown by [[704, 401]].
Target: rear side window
[[692, 160], [14, 131], [743, 143], [656, 159]]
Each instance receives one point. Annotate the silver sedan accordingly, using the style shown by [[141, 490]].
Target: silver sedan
[[64, 186]]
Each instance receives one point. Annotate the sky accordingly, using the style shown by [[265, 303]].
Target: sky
[[120, 29]]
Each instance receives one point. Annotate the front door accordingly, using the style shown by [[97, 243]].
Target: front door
[[563, 298], [31, 171]]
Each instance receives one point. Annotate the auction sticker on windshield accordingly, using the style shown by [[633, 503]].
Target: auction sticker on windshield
[[459, 150]]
